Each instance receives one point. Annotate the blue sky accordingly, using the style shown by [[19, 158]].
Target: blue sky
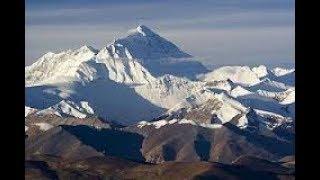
[[217, 32]]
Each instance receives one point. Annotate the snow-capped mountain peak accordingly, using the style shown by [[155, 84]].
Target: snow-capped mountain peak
[[144, 44], [143, 30], [58, 67], [86, 48]]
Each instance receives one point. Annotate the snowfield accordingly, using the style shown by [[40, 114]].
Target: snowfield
[[237, 74]]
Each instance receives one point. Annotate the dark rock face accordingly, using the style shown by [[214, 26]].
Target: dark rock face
[[38, 170], [286, 131], [183, 142], [202, 147], [78, 142], [59, 142], [110, 142]]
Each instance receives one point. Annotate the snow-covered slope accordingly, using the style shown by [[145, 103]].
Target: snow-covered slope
[[69, 108], [261, 71], [278, 71], [119, 69], [237, 74], [55, 68]]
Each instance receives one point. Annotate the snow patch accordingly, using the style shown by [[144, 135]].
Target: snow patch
[[290, 98], [281, 71], [239, 91], [69, 108], [261, 71], [28, 110], [186, 121], [44, 126], [161, 123]]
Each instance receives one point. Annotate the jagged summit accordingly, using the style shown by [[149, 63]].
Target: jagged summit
[[144, 44], [143, 30], [87, 48], [155, 53]]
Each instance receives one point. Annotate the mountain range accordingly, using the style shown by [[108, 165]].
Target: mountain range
[[143, 100]]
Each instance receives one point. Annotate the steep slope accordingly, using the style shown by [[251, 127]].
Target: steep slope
[[143, 43]]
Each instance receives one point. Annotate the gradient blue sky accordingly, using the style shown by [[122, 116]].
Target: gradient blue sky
[[217, 32]]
